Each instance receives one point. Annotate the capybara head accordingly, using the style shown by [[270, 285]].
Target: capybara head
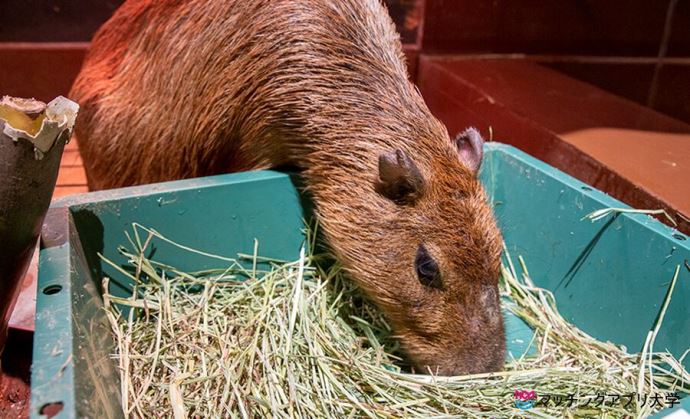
[[447, 258], [431, 258]]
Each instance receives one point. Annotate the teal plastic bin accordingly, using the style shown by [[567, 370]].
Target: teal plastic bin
[[609, 277]]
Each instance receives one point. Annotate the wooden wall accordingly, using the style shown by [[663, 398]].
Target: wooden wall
[[638, 49], [613, 44]]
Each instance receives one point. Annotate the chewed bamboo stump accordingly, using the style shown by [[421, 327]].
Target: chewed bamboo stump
[[32, 138]]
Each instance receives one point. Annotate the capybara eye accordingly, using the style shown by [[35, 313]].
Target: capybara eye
[[427, 269]]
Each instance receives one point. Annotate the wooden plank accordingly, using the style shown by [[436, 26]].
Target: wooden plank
[[61, 191], [635, 154], [71, 176], [554, 27], [71, 146], [42, 71], [71, 158]]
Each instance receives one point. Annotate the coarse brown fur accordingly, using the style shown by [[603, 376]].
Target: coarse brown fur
[[179, 89]]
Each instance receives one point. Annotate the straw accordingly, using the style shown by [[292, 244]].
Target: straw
[[261, 337], [605, 212]]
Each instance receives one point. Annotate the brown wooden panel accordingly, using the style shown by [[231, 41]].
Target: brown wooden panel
[[71, 158], [72, 145], [572, 125], [535, 26], [634, 81], [679, 40], [42, 71], [78, 20], [673, 91], [71, 176], [61, 191], [631, 81], [53, 20], [537, 91]]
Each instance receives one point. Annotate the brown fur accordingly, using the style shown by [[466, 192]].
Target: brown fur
[[178, 89]]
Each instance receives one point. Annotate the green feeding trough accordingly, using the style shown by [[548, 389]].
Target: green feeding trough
[[609, 277]]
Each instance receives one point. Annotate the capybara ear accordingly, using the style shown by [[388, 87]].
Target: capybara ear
[[470, 148], [399, 178]]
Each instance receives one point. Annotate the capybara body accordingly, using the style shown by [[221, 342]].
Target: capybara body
[[179, 89]]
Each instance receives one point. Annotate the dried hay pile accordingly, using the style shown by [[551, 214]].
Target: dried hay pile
[[299, 340]]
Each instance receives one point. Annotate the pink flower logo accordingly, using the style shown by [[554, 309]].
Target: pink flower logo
[[525, 399]]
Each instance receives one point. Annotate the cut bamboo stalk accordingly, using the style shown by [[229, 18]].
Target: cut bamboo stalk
[[32, 138]]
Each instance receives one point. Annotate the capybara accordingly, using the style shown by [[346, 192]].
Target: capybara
[[180, 89]]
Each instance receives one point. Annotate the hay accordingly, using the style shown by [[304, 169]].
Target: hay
[[302, 342], [605, 212]]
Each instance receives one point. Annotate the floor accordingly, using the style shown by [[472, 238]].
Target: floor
[[15, 390]]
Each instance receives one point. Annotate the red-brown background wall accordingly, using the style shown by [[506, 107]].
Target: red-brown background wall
[[613, 44]]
